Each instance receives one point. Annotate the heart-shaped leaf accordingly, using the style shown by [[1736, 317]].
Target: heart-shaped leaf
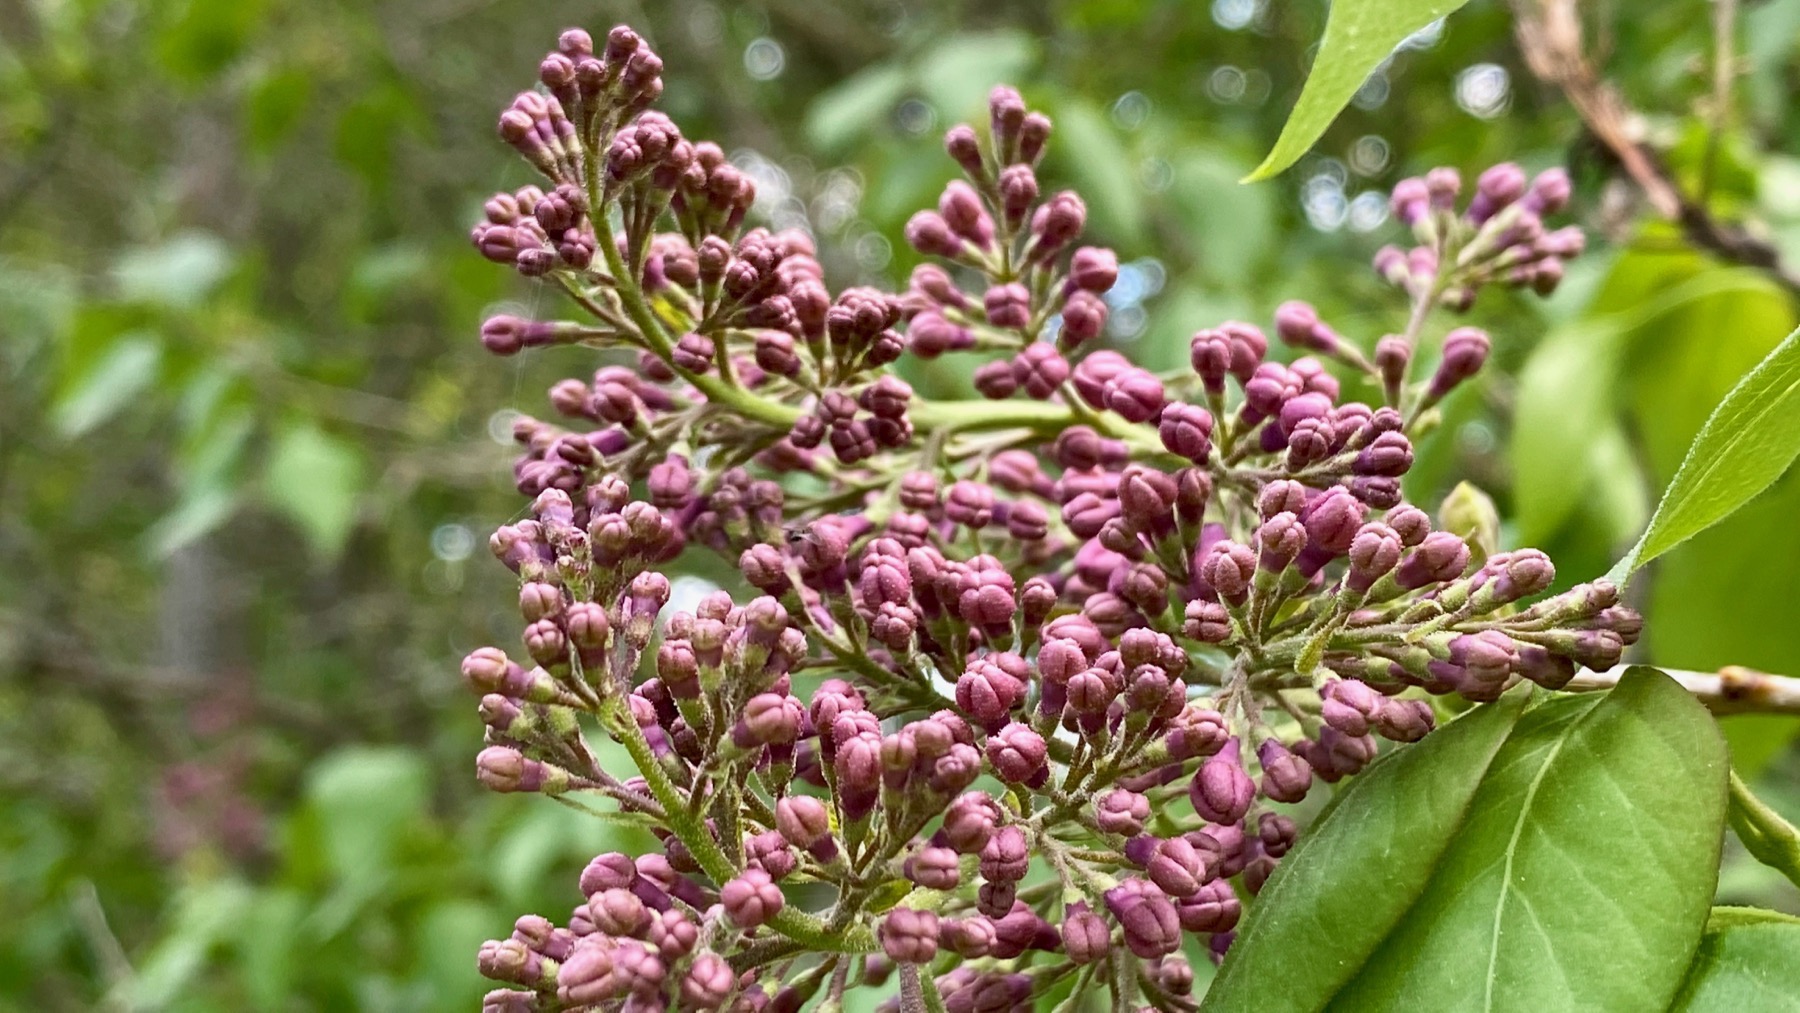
[[1576, 874], [1350, 879]]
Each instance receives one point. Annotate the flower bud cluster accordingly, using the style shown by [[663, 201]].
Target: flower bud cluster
[[1012, 688]]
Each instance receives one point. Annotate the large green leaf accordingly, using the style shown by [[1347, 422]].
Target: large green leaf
[[315, 478], [1584, 873], [1359, 34], [1352, 876], [1744, 967], [100, 389], [1744, 447], [1569, 866]]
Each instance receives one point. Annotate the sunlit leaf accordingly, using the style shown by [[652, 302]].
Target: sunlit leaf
[[108, 384], [316, 479], [1359, 35]]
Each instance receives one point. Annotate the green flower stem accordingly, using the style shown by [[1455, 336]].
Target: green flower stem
[[797, 925], [1773, 841]]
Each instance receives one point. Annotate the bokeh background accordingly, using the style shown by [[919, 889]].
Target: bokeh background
[[250, 450]]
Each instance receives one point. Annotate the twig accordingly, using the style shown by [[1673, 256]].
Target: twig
[[1550, 39], [1730, 690]]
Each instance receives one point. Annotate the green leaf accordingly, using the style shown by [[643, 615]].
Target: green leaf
[[1565, 859], [1742, 968], [315, 478], [1314, 923], [1098, 159], [205, 915], [957, 72], [1744, 447], [1470, 514], [1584, 873], [107, 384], [1727, 916], [1359, 35], [845, 112], [178, 273]]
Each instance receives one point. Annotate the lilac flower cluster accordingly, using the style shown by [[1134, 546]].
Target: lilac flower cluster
[[1018, 693]]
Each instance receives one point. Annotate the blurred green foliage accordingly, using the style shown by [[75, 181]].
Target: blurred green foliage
[[246, 436]]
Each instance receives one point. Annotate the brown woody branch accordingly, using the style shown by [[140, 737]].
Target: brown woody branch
[[1550, 39]]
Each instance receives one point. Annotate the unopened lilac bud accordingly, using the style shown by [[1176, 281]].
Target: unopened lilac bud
[[858, 768], [1286, 777], [1017, 754], [751, 899], [1333, 521], [909, 936], [1298, 324], [934, 868], [508, 1000], [1086, 939], [1279, 541], [1039, 369], [964, 147], [1441, 556], [1186, 431], [1034, 131], [969, 822], [1407, 720], [1008, 306], [1410, 201], [1177, 867], [1136, 394], [1027, 521], [1215, 908], [618, 912], [1276, 833], [708, 983], [1122, 812], [1465, 350], [1549, 192], [1005, 858], [1228, 569], [1389, 455], [1220, 791], [970, 504], [1349, 705], [1410, 523], [1152, 928], [587, 976], [995, 380], [611, 871], [928, 233], [1059, 220], [802, 820], [1207, 622]]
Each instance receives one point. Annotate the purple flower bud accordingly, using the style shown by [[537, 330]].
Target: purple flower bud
[[1008, 306], [803, 821], [1410, 201], [995, 380], [962, 144], [1086, 938], [1005, 858], [934, 868], [1279, 541], [931, 335], [1207, 622], [1151, 926], [751, 899], [1122, 812], [1177, 867], [1093, 268], [587, 976], [1136, 394], [970, 504], [1286, 777], [969, 822], [1465, 350], [961, 207], [1027, 521], [1220, 791], [1389, 455], [1408, 720], [618, 912], [858, 767], [1186, 431], [708, 983], [1228, 569], [1441, 556], [1410, 523], [1017, 754], [988, 692], [1059, 221], [928, 233], [1214, 909], [611, 871], [1549, 192], [1333, 521], [1298, 324], [909, 936]]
